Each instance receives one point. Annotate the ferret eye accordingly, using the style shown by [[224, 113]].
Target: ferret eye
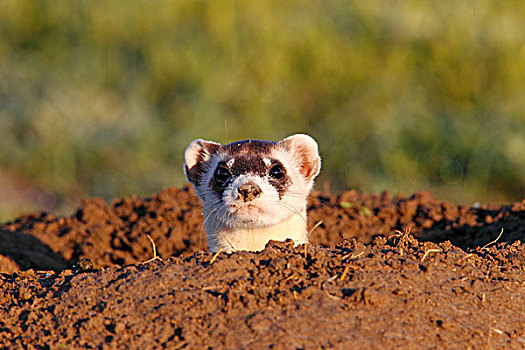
[[277, 172], [222, 174]]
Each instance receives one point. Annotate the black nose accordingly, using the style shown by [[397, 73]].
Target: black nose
[[248, 192]]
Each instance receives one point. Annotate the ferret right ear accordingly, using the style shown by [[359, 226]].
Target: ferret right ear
[[306, 152], [196, 157]]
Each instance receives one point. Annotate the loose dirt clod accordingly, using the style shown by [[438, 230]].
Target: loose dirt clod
[[84, 264]]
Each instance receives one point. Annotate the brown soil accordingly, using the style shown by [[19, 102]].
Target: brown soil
[[363, 283]]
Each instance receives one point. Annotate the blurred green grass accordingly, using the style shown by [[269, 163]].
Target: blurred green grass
[[100, 98]]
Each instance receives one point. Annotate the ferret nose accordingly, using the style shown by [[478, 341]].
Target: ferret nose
[[248, 192]]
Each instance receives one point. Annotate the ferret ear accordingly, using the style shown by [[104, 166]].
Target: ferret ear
[[196, 157], [306, 152]]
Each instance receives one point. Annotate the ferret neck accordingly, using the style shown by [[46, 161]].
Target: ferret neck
[[255, 239]]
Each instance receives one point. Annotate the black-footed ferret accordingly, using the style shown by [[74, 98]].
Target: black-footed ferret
[[253, 191]]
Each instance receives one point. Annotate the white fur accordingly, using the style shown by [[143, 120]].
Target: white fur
[[255, 239]]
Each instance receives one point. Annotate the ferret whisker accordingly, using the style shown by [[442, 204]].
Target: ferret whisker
[[224, 218], [206, 219], [211, 202], [231, 245], [322, 201], [292, 209]]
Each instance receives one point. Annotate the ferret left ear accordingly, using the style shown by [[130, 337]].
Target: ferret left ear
[[196, 159], [306, 152]]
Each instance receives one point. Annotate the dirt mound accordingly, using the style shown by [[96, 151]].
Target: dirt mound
[[361, 285], [396, 293], [117, 234]]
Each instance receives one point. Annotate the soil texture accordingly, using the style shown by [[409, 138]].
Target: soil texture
[[381, 271]]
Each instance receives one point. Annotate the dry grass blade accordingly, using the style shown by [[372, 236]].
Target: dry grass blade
[[305, 252], [155, 256], [345, 272], [430, 251], [315, 226], [352, 257], [215, 256], [309, 232], [326, 291], [494, 241]]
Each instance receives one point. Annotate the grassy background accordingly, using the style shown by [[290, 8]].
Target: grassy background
[[100, 98]]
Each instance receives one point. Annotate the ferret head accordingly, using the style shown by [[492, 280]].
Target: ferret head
[[252, 184]]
